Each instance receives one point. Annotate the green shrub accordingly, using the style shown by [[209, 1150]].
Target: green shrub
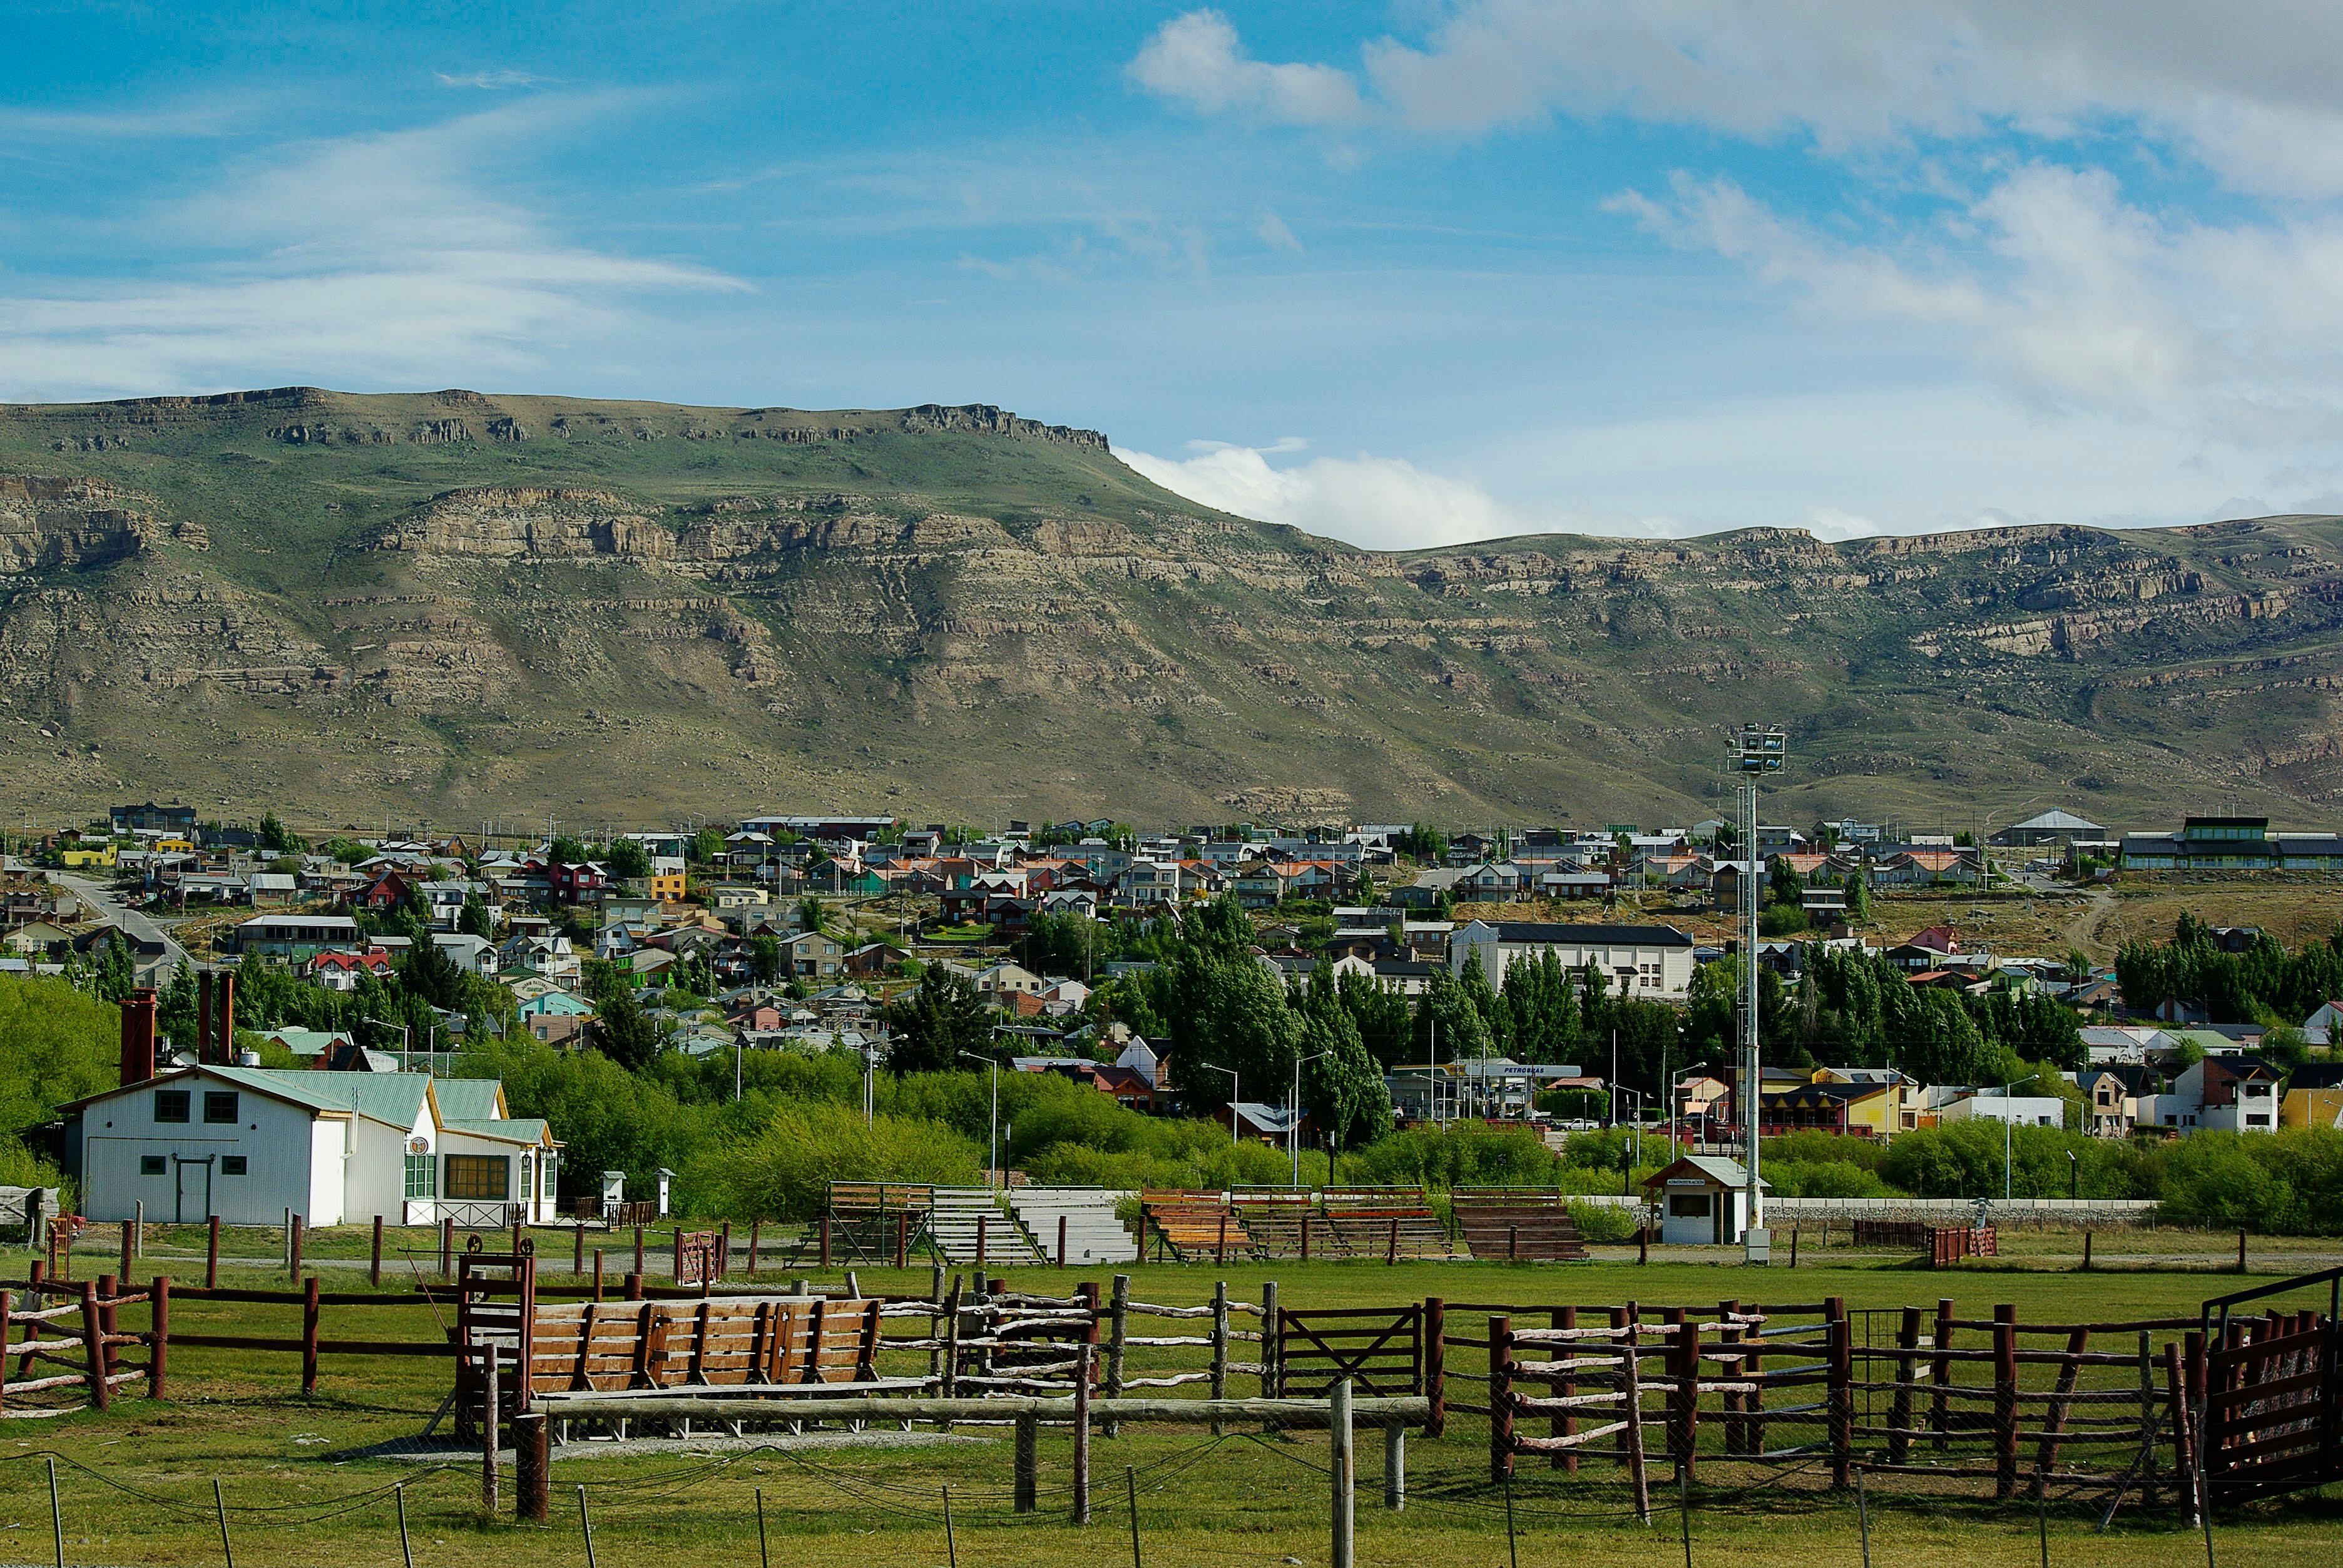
[[1824, 1179], [1468, 1154], [1603, 1223], [784, 1170]]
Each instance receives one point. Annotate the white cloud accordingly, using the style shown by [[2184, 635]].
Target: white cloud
[[495, 81], [1274, 232], [1380, 503], [1196, 60], [369, 260], [2245, 87], [2067, 292]]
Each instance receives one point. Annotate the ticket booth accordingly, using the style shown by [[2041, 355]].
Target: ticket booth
[[1704, 1201]]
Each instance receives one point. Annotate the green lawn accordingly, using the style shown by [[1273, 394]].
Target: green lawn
[[297, 1493]]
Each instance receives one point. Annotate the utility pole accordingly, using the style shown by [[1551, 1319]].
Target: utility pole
[[1757, 749]]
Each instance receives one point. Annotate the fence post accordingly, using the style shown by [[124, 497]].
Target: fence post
[[1899, 1412], [724, 1250], [2184, 1432], [1631, 1381], [1435, 1364], [1118, 1341], [1841, 1383], [1082, 1436], [1305, 1236], [1565, 1421], [130, 1240], [158, 1334], [1342, 1461], [93, 1336], [1061, 1240], [634, 1286], [1220, 1347], [447, 1246], [110, 1288], [1390, 1247], [1687, 1390], [1272, 1342], [532, 1469], [309, 1316], [1500, 1400], [489, 1414], [1028, 1460], [2005, 1402], [577, 1249], [1940, 1374], [1220, 1243], [903, 1238], [374, 1267], [211, 1256], [675, 1266], [296, 1234], [6, 1307], [1734, 1369], [822, 1227]]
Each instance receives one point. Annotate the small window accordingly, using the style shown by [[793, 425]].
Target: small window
[[478, 1177], [150, 1165], [171, 1104], [220, 1105], [421, 1168], [232, 1165]]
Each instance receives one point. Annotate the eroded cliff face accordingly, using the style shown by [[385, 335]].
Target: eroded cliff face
[[65, 523], [467, 594]]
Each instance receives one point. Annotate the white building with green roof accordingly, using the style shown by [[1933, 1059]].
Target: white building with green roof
[[247, 1143]]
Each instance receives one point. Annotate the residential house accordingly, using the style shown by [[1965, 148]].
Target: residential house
[[1269, 1124], [872, 959], [1001, 980], [1646, 962], [813, 955], [341, 971], [2234, 1093], [2052, 827], [1999, 1105], [297, 935], [2314, 1097]]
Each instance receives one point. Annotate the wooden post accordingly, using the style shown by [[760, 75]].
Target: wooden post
[[158, 1335], [2086, 1251], [1631, 1382], [519, 1210], [724, 1250], [1219, 1348], [1841, 1383], [675, 1265], [1643, 1245], [1028, 1460], [93, 1338], [1273, 1344], [374, 1266], [211, 1256], [489, 1444], [129, 1247], [2054, 1422], [1390, 1247], [1305, 1236], [310, 1317], [6, 1307], [2182, 1421], [2241, 1252], [296, 1234], [822, 1227], [109, 1289], [1684, 1399], [1220, 1243], [1940, 1375], [1343, 1466], [1082, 1436], [2005, 1402], [1394, 1466], [903, 1238], [1061, 1240], [983, 1222], [1435, 1364], [447, 1246], [1500, 1400], [1899, 1411], [577, 1249], [634, 1287], [1566, 1420], [1513, 1244], [1118, 1341], [35, 1272], [597, 1273], [1794, 1246], [532, 1469], [639, 1251]]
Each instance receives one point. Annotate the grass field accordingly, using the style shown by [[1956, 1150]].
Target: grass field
[[301, 1486]]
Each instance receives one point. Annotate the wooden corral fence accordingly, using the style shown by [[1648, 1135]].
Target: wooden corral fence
[[872, 1222], [1948, 1244], [1894, 1235], [79, 1362], [2268, 1390], [1380, 1349], [1900, 1393]]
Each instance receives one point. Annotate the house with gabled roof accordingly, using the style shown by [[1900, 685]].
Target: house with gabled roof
[[247, 1143]]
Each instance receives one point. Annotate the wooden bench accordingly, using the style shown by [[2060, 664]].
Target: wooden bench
[[1517, 1224], [1194, 1225], [762, 1343]]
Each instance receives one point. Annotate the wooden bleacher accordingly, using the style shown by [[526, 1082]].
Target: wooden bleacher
[[1191, 1226], [764, 1342], [1523, 1224], [1273, 1216], [1380, 1222], [865, 1218]]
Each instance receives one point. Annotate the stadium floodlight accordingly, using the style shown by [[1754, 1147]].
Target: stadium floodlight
[[1754, 751]]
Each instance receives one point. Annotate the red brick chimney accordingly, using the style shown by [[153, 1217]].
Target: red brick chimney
[[203, 1015], [224, 1015], [138, 1037]]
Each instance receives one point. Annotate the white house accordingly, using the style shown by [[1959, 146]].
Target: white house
[[1651, 963], [247, 1144], [2018, 1110]]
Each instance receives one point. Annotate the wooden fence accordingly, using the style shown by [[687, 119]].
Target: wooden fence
[[84, 1338]]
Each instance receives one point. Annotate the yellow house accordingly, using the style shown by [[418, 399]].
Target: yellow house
[[666, 887], [175, 846], [2311, 1105], [85, 855], [1895, 1106]]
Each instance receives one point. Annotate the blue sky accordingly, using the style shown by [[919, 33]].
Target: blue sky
[[1407, 273]]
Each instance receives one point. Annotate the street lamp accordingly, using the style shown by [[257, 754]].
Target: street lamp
[[1755, 750], [992, 1144], [1293, 1114], [1234, 1081]]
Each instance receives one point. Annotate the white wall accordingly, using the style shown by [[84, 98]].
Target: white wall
[[272, 1136]]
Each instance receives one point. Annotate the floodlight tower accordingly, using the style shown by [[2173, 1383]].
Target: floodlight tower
[[1757, 749]]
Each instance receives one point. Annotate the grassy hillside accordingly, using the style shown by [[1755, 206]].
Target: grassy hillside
[[458, 607]]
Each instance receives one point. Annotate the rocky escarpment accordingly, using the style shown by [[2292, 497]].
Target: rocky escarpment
[[63, 524]]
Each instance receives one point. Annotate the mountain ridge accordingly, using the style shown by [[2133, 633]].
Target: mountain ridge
[[461, 604]]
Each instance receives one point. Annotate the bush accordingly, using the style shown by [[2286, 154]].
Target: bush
[[1781, 921], [784, 1170], [1813, 1147], [1603, 1223], [1824, 1179], [1469, 1154]]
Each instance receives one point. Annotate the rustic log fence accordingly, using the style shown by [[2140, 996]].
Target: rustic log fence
[[80, 1362]]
